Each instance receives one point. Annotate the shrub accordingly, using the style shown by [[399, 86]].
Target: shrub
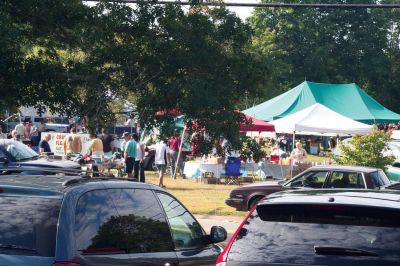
[[367, 150], [251, 149]]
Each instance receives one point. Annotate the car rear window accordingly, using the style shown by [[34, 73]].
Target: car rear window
[[290, 233], [379, 178], [28, 225]]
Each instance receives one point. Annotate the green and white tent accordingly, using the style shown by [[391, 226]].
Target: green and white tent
[[346, 99]]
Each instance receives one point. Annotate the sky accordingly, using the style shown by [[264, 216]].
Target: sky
[[242, 12]]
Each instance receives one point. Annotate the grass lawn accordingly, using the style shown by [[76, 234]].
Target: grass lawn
[[317, 159], [203, 198], [197, 197]]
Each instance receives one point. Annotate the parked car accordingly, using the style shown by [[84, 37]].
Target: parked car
[[319, 227], [353, 177], [56, 220], [393, 171], [15, 154]]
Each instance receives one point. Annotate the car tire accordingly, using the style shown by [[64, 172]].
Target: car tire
[[151, 166], [253, 201]]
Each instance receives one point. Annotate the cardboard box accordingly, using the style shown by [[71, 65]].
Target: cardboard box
[[216, 160], [210, 180]]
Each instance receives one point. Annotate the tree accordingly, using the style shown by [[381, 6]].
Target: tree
[[194, 62], [79, 60], [330, 46], [31, 33], [367, 150]]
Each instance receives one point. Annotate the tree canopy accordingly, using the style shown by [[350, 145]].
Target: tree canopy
[[330, 46], [81, 60]]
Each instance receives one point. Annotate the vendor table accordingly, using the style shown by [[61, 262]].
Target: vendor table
[[216, 169], [192, 169], [249, 167], [277, 171]]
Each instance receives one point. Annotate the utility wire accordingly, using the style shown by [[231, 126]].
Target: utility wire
[[267, 5]]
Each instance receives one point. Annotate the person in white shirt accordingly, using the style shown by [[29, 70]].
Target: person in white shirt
[[298, 154], [20, 131], [161, 159]]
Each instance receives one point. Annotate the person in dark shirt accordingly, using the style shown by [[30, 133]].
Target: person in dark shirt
[[44, 144], [108, 142]]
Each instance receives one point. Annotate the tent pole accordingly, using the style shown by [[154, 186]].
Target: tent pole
[[291, 161], [179, 152]]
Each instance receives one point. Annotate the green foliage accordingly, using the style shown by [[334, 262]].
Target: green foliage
[[367, 150], [329, 46], [79, 60], [251, 149]]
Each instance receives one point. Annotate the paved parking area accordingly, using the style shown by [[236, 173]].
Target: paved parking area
[[230, 223]]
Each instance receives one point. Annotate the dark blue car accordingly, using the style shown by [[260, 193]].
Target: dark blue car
[[15, 154], [75, 221]]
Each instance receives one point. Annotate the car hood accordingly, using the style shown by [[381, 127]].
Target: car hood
[[6, 260], [42, 162]]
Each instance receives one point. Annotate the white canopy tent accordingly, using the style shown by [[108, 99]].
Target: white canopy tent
[[319, 120]]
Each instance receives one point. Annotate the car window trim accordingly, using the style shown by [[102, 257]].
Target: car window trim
[[169, 225], [327, 178], [287, 184], [365, 180]]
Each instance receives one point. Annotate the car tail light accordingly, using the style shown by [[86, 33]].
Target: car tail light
[[221, 260], [66, 263]]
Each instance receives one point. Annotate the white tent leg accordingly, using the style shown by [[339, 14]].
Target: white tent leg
[[291, 164]]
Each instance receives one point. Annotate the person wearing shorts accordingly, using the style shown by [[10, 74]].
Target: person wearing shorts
[[161, 161]]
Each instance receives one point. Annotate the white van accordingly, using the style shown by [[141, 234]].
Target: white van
[[53, 124]]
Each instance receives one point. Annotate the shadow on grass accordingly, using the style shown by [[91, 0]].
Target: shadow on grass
[[182, 188]]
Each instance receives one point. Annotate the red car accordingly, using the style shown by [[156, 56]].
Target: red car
[[319, 227], [317, 177]]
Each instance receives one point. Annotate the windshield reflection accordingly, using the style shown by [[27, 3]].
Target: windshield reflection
[[20, 151]]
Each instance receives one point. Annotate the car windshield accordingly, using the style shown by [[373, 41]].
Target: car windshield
[[28, 225], [290, 233], [20, 151]]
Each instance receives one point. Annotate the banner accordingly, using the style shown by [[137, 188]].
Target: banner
[[57, 142]]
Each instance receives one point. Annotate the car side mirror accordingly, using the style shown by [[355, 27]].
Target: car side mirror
[[218, 234]]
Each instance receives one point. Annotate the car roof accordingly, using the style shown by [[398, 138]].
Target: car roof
[[368, 198], [344, 167], [7, 141], [57, 185]]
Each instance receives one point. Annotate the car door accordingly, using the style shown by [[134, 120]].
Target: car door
[[4, 156], [346, 179], [189, 238], [98, 240], [141, 222]]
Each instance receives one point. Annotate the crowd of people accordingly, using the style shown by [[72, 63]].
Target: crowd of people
[[25, 132]]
